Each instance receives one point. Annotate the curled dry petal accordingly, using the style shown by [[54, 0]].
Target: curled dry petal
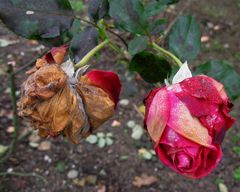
[[42, 84], [98, 105], [106, 80]]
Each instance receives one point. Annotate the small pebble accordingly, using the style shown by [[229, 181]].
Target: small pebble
[[210, 25], [131, 124], [205, 39], [217, 27], [222, 187], [72, 174], [10, 129], [10, 170], [124, 102], [47, 158], [115, 123], [226, 46], [33, 144]]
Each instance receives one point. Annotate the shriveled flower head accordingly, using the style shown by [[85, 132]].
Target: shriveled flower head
[[56, 102]]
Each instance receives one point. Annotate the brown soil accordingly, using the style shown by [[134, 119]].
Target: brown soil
[[108, 164]]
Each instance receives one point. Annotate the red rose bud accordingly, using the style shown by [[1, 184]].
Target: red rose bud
[[187, 122], [106, 80]]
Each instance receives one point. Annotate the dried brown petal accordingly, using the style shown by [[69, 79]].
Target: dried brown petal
[[41, 62], [57, 114], [43, 84], [98, 105]]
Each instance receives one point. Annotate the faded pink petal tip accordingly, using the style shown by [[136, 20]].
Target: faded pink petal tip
[[55, 52], [106, 80]]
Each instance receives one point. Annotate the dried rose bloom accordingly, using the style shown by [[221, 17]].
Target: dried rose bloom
[[57, 103]]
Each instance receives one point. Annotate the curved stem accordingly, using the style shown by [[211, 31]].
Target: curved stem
[[91, 53], [167, 53], [4, 174]]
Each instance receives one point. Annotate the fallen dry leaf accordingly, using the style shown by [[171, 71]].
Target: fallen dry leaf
[[144, 180], [44, 146], [88, 180], [101, 188]]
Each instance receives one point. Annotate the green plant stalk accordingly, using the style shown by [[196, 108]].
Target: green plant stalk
[[15, 116], [167, 53], [91, 53]]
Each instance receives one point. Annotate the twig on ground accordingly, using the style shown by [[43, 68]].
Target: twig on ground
[[4, 174]]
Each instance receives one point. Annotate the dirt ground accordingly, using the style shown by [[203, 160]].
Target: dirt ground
[[114, 168]]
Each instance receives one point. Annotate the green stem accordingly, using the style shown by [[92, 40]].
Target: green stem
[[15, 116], [91, 53], [167, 53]]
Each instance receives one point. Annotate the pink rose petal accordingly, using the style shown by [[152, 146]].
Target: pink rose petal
[[158, 114], [183, 123]]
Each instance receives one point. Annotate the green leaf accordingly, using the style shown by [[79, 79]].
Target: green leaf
[[158, 26], [3, 149], [129, 15], [39, 20], [185, 38], [60, 166], [152, 68], [169, 2], [75, 28], [237, 174], [98, 9], [154, 8], [224, 73], [236, 150], [138, 44], [82, 43], [77, 5]]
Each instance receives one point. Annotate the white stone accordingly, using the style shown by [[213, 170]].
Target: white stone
[[72, 174]]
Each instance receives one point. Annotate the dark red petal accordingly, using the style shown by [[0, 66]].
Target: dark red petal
[[106, 80], [197, 107], [210, 159], [201, 87]]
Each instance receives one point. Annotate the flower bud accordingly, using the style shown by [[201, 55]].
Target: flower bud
[[187, 122]]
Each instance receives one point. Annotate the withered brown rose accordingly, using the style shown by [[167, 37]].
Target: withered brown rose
[[54, 105]]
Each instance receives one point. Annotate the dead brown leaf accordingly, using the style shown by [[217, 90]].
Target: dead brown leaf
[[44, 146], [144, 180]]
